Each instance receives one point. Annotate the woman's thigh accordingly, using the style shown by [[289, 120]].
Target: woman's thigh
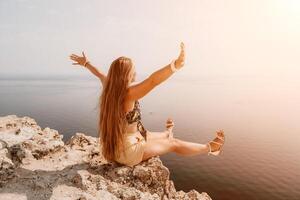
[[151, 135], [158, 147]]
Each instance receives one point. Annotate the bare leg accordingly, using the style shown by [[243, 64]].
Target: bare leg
[[166, 145], [190, 148], [161, 135], [171, 144], [151, 135]]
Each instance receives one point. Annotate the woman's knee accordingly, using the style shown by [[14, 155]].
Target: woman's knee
[[160, 146], [158, 135], [174, 143]]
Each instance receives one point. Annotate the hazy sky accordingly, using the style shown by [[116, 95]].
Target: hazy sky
[[232, 37]]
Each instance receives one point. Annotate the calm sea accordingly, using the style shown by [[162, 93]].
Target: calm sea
[[260, 117]]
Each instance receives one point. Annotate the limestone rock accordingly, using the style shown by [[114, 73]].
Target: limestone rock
[[36, 164]]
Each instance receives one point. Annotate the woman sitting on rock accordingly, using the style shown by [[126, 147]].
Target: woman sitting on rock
[[123, 137]]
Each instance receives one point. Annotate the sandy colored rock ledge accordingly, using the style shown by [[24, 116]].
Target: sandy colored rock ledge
[[36, 164]]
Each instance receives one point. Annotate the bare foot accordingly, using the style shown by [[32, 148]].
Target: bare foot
[[169, 127], [218, 142]]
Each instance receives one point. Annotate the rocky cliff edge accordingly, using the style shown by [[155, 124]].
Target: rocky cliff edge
[[36, 164]]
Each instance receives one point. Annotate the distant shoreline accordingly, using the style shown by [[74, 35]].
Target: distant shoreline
[[45, 77]]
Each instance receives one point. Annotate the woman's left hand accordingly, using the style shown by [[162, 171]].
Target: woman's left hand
[[80, 60], [180, 60]]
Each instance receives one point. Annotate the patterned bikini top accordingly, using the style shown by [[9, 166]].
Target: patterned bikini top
[[135, 116]]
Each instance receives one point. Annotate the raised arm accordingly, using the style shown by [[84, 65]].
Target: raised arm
[[141, 89], [96, 72], [83, 61]]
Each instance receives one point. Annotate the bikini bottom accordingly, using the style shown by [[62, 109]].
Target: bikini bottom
[[133, 151]]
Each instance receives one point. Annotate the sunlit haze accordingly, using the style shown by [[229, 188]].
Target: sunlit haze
[[258, 38]]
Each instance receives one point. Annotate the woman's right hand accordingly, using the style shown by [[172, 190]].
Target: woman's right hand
[[179, 62], [80, 60]]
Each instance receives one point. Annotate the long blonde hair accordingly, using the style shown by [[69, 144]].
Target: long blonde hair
[[112, 119]]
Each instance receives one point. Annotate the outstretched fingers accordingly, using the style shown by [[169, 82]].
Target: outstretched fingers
[[74, 56], [83, 54], [181, 56]]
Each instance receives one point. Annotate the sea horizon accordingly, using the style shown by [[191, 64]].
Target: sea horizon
[[258, 127]]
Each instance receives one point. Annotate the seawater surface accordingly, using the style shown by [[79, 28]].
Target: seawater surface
[[260, 117]]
